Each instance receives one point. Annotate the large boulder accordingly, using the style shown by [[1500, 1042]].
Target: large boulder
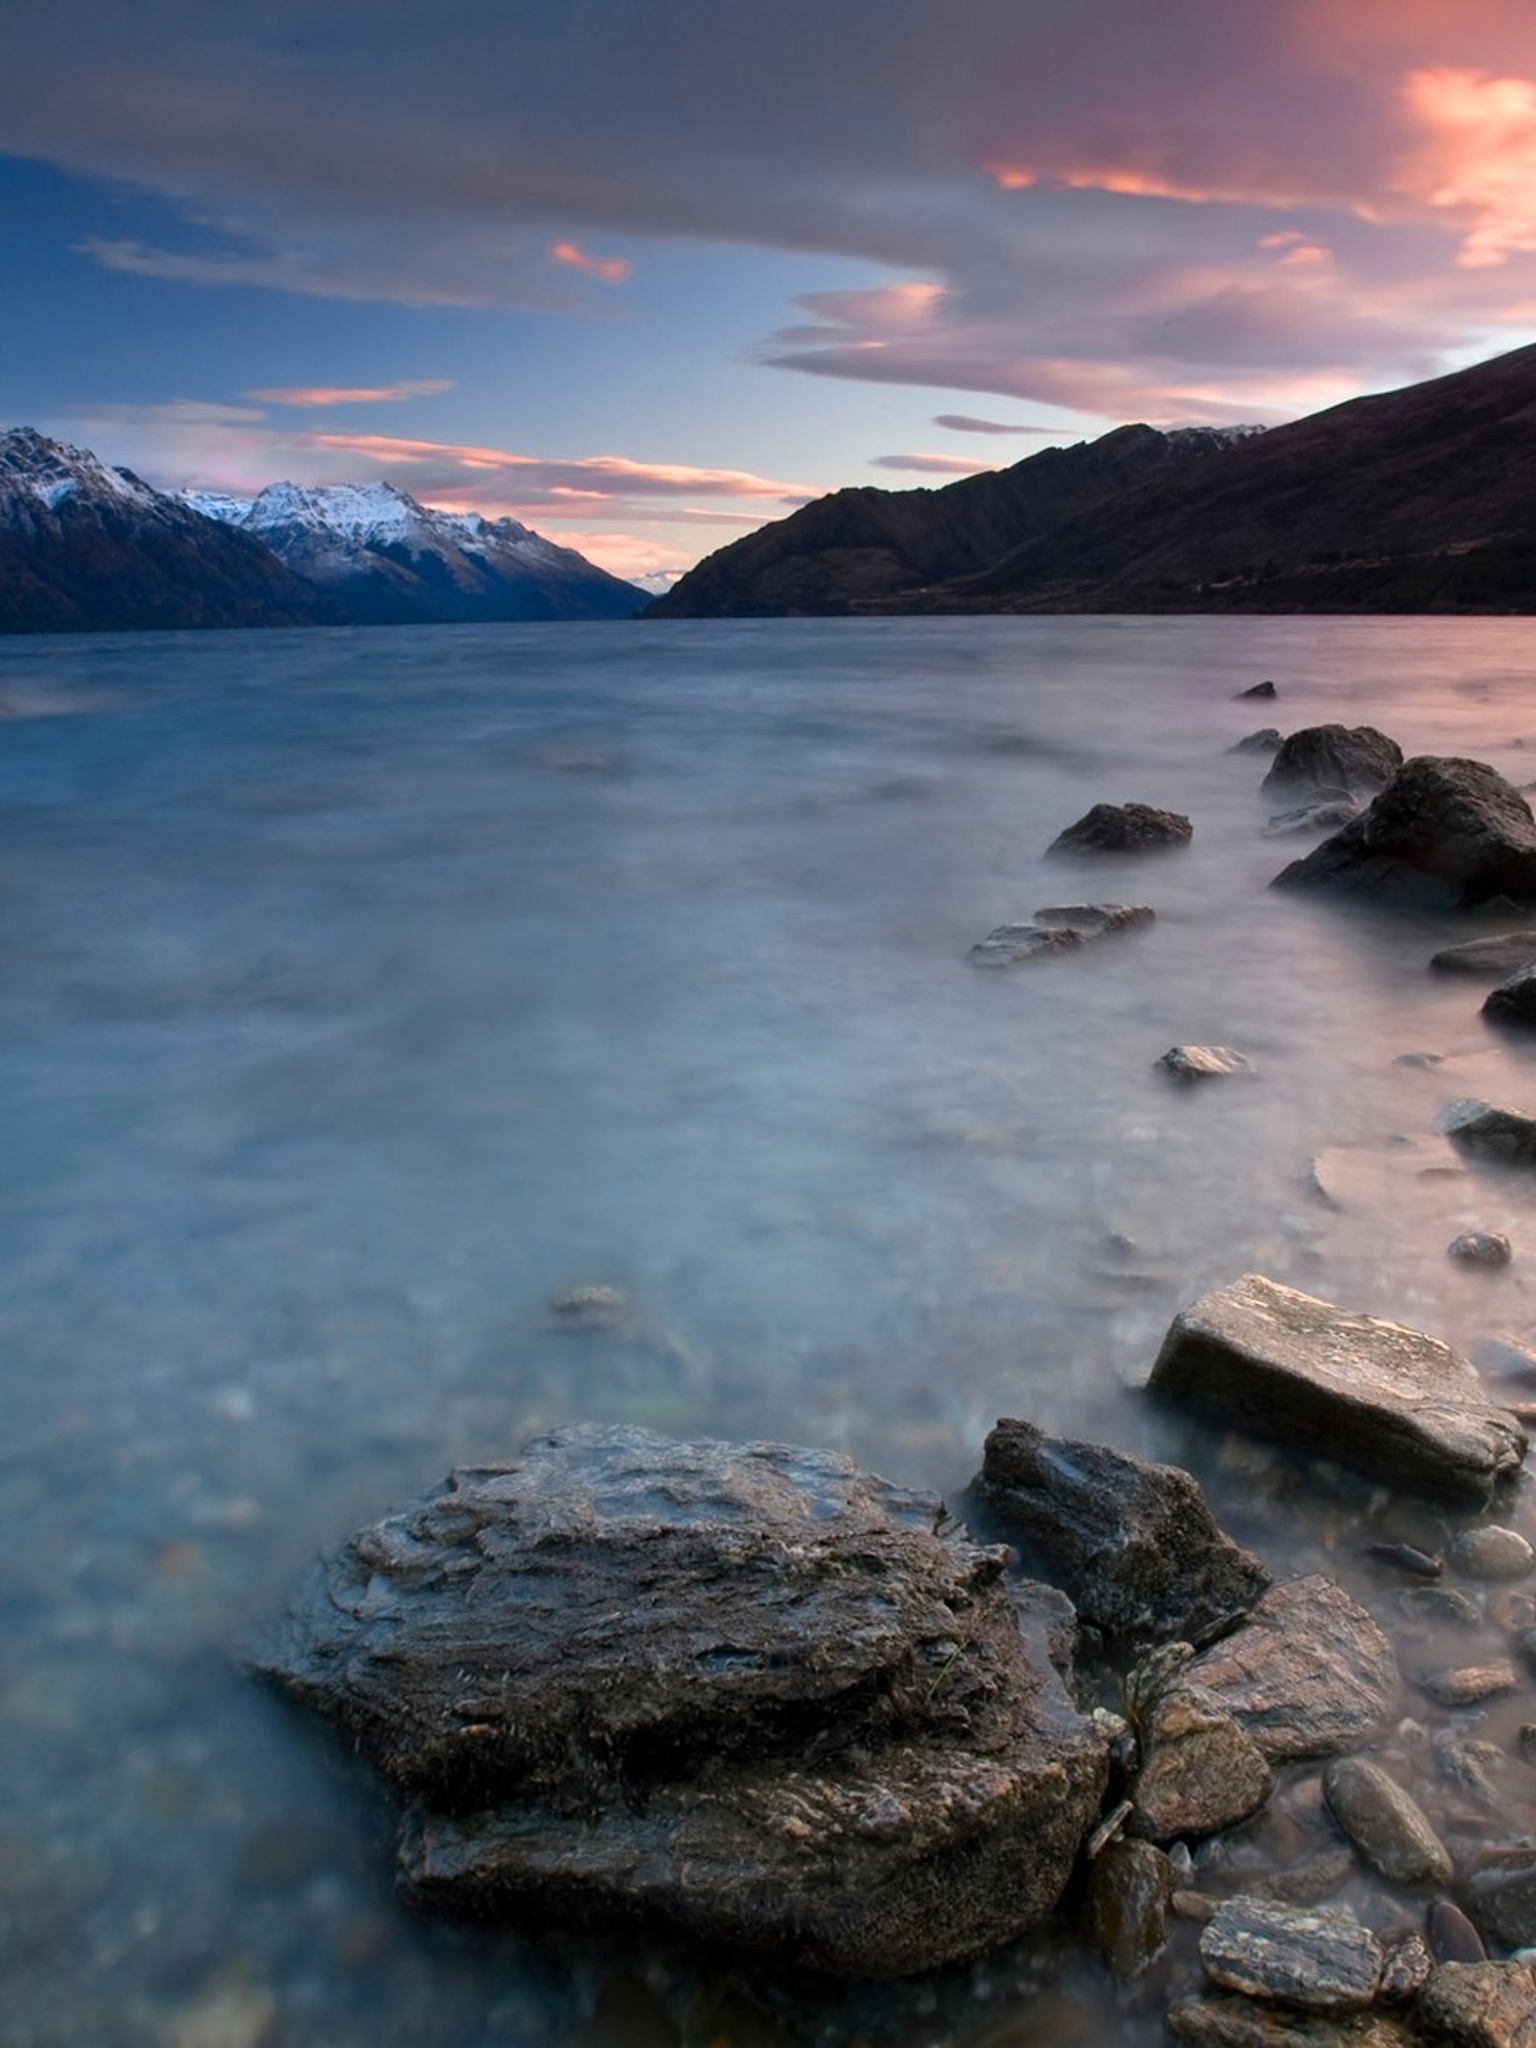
[[1446, 833], [1337, 759], [1123, 828], [1132, 1543], [1388, 1401], [746, 1693]]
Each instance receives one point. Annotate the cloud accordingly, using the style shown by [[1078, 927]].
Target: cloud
[[594, 476], [1480, 163], [931, 465], [964, 423], [327, 394], [611, 269], [180, 412]]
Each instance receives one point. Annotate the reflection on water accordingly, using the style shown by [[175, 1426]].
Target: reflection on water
[[364, 993]]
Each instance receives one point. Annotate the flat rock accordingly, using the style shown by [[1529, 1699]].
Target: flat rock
[[1132, 1543], [1345, 759], [1320, 1958], [1308, 1674], [1446, 833], [1200, 1771], [1491, 958], [1125, 1911], [1387, 1826], [746, 1693], [1492, 1552], [1059, 928], [1478, 2005], [1514, 1000], [1500, 1894], [1230, 2022], [1124, 828], [1203, 1062], [1385, 1400], [1484, 1127]]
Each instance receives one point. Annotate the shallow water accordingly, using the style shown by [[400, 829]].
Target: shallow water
[[363, 991]]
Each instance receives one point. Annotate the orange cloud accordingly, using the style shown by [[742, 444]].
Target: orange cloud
[[1480, 161], [611, 269], [332, 394]]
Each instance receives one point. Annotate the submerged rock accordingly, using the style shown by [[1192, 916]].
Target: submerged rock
[[1264, 689], [1387, 1401], [1500, 1894], [1060, 928], [1125, 1912], [1227, 2021], [1343, 760], [1446, 832], [1265, 741], [1514, 1000], [1124, 828], [1481, 1248], [1469, 1683], [1505, 953], [1321, 1959], [1387, 1826], [1203, 1062], [1327, 815], [744, 1692], [1478, 1126], [1492, 1552], [1478, 2005], [1133, 1544]]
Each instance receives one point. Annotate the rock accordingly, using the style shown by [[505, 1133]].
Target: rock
[[1406, 1557], [1500, 1894], [1265, 741], [1308, 1674], [1338, 759], [1264, 689], [1446, 833], [1524, 1647], [1387, 1401], [1126, 1908], [233, 2016], [1480, 1248], [1473, 1766], [1514, 1000], [1478, 2005], [742, 1692], [1123, 828], [1439, 1604], [1406, 1970], [1061, 928], [1310, 1881], [1133, 1544], [1200, 1772], [1504, 953], [1478, 1126], [1492, 1553], [595, 1302], [1321, 1959], [1452, 1937], [1384, 1823], [1203, 1062], [1326, 816], [1088, 919], [1228, 2022], [1470, 1683]]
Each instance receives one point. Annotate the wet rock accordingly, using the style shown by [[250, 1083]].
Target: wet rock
[[1500, 1894], [1060, 928], [1326, 816], [1514, 1000], [1468, 1684], [1308, 1674], [1090, 919], [1406, 1970], [1385, 1400], [1472, 1766], [1524, 1647], [1200, 1771], [1203, 1062], [1407, 1557], [1446, 832], [1321, 1960], [1126, 1908], [1480, 1248], [1336, 758], [1478, 2005], [1124, 828], [1132, 1543], [1264, 689], [1265, 741], [1478, 1126], [1384, 1823], [232, 2016], [1313, 1879], [1491, 1552], [1492, 958], [1228, 2022], [1452, 1937], [743, 1692]]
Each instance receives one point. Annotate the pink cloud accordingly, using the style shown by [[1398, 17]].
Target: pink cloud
[[1479, 164], [611, 269], [336, 394], [594, 476]]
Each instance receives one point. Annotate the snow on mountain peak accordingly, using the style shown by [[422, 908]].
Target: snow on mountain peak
[[52, 471]]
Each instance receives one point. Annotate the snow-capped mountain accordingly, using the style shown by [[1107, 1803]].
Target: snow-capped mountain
[[386, 559], [88, 548]]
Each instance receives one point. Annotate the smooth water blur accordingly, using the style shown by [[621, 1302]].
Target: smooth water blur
[[363, 992]]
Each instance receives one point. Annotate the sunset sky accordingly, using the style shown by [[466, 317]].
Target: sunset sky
[[645, 273]]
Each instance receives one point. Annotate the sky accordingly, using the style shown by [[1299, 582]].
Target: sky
[[645, 274]]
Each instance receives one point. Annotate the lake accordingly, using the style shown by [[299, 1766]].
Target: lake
[[365, 992]]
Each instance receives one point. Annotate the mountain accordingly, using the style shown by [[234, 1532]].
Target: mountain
[[85, 548], [384, 559], [870, 550]]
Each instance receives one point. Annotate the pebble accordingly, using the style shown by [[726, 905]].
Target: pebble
[[1439, 1604], [1452, 1937], [1480, 1248], [1492, 1552], [1386, 1825], [1406, 1558], [1473, 1682], [1204, 1062], [1406, 1971]]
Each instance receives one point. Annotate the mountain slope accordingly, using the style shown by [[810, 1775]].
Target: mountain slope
[[85, 548], [867, 549], [384, 559]]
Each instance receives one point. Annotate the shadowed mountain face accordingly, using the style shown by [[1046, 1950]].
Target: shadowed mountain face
[[1415, 500], [85, 548], [869, 550]]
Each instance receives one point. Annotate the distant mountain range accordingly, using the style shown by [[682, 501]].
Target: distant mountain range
[[1414, 500], [86, 548]]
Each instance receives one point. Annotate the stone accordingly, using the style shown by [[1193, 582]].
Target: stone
[[1386, 1401], [1439, 1604], [1200, 1771], [1491, 958], [1406, 1970], [1313, 1879], [1335, 758], [1407, 1557], [1203, 1062], [1492, 1552], [1126, 1907], [1133, 1544], [1468, 1684], [1060, 928], [1514, 1000], [1124, 828], [1472, 1766], [1320, 1959], [1264, 689], [1500, 1894], [1387, 1826], [744, 1693], [1452, 1937], [1478, 2005], [1265, 741], [1089, 918], [231, 2016], [1446, 834], [1477, 1126], [1307, 1674], [1480, 1248], [1326, 816], [1229, 2022]]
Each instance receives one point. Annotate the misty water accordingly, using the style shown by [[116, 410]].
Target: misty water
[[365, 992]]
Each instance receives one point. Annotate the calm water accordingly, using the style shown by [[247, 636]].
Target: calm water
[[364, 991]]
